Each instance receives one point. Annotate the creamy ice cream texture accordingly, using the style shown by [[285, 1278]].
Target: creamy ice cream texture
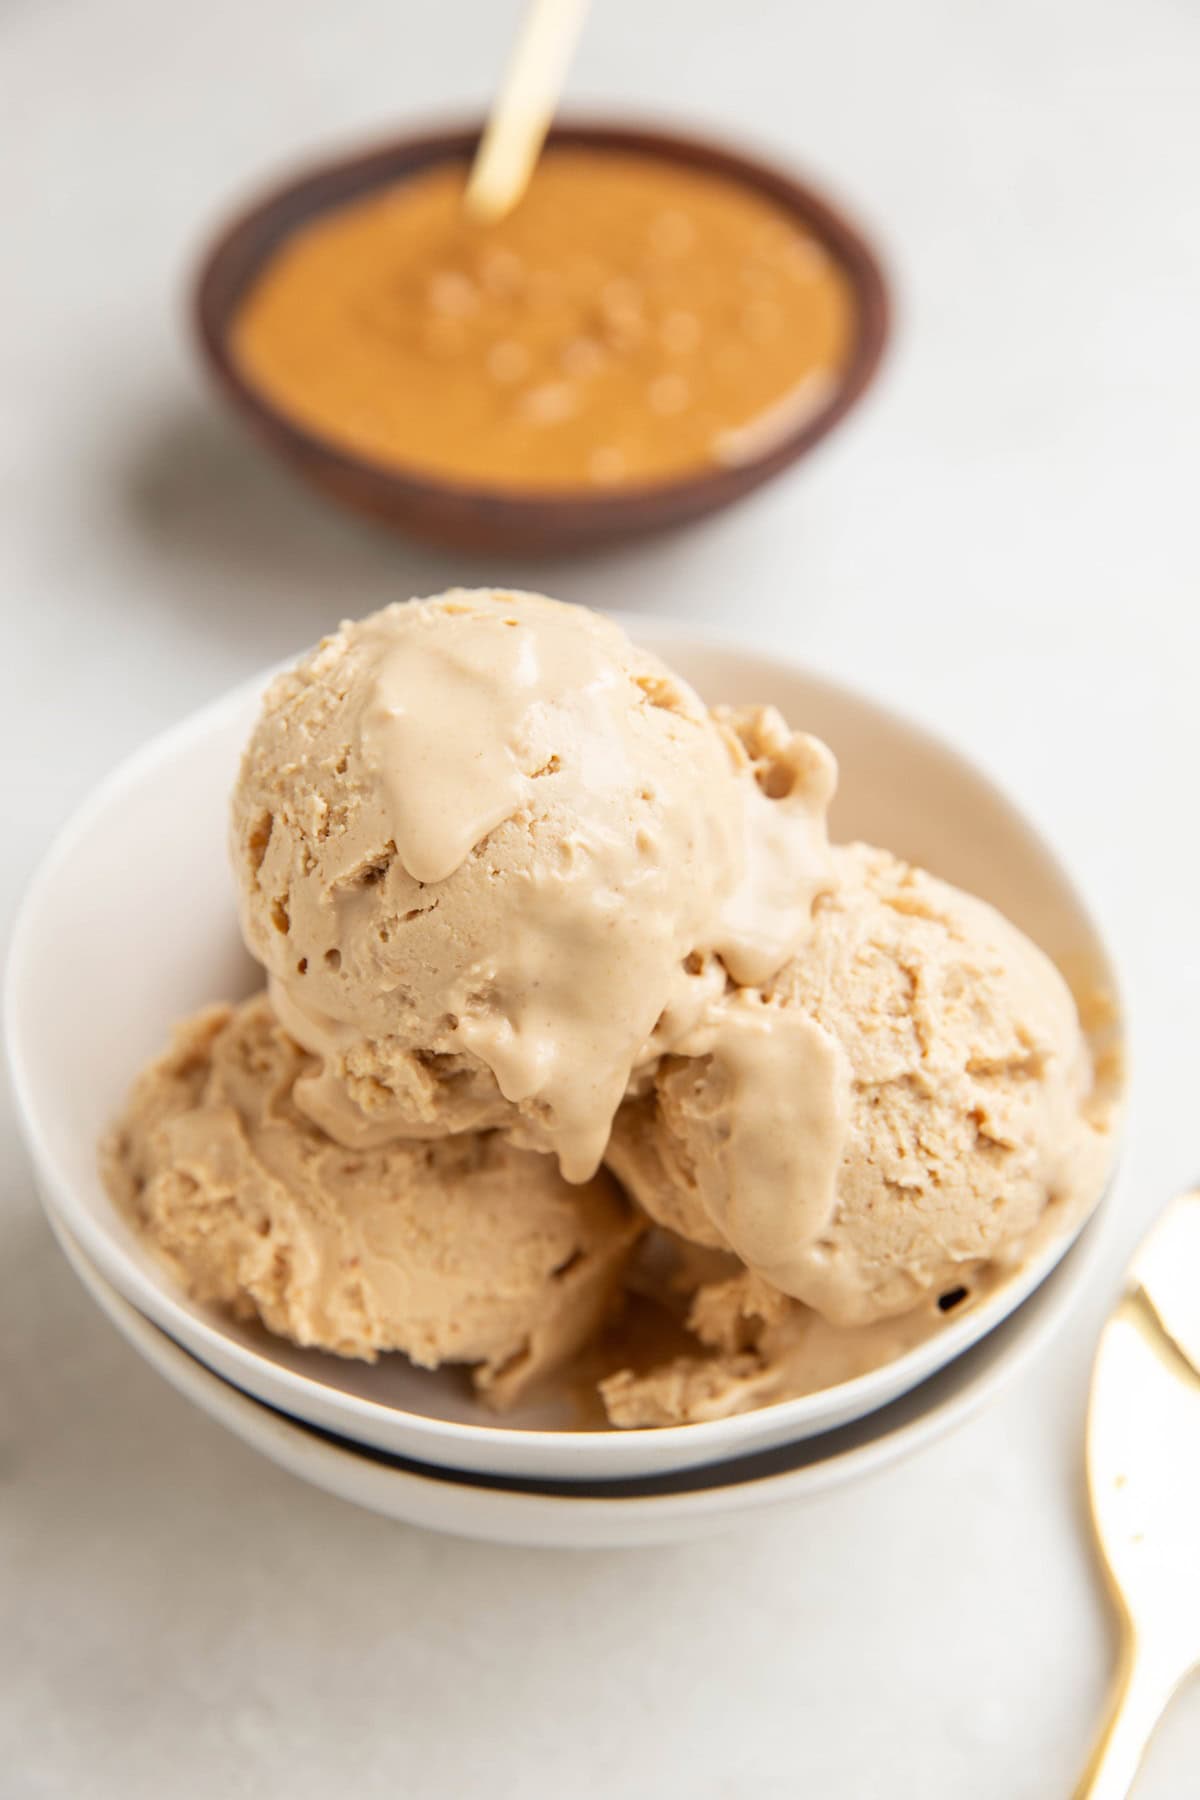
[[464, 1249], [897, 1106], [527, 906], [485, 848]]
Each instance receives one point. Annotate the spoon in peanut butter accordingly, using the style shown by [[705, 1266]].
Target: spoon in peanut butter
[[1143, 1458], [520, 117]]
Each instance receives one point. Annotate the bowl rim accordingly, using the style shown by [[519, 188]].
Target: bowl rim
[[231, 264], [708, 1440], [336, 1465]]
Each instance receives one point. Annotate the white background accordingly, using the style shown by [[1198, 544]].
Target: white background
[[1004, 540]]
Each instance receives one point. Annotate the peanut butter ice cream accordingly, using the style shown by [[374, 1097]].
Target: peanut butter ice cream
[[483, 846], [462, 1250], [755, 1346], [560, 964], [896, 1109]]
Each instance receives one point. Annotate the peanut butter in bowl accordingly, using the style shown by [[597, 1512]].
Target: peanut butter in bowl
[[656, 326], [632, 320]]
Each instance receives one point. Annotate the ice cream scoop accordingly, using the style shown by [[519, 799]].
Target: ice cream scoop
[[898, 1107], [487, 850], [753, 1347], [464, 1250]]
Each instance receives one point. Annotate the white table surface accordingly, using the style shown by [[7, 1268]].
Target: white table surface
[[1004, 539]]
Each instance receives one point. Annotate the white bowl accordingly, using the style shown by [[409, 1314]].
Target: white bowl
[[130, 923], [615, 1515]]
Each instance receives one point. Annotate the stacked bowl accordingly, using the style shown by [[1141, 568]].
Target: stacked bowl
[[130, 924]]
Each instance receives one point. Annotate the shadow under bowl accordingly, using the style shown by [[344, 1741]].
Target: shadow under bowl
[[477, 517]]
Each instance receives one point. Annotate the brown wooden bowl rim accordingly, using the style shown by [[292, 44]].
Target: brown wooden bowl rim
[[347, 176]]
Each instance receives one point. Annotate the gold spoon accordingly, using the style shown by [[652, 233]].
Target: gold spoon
[[520, 118], [1143, 1458]]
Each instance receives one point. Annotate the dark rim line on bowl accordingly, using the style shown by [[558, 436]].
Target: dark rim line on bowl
[[728, 1472], [245, 247]]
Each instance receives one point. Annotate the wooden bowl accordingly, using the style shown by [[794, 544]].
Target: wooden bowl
[[472, 517]]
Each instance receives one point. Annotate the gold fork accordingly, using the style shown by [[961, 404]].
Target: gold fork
[[1143, 1458]]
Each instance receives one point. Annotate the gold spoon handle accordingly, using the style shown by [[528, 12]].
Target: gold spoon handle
[[1142, 1691], [520, 118]]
